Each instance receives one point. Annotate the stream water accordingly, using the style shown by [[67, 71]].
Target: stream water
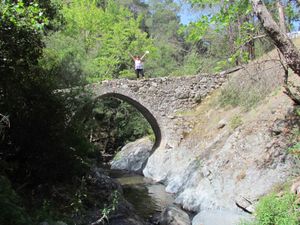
[[147, 197]]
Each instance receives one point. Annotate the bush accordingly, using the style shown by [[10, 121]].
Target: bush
[[12, 212], [273, 210], [236, 121]]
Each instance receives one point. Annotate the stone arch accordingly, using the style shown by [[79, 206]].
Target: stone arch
[[152, 120]]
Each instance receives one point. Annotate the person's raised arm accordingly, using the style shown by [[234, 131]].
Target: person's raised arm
[[145, 54], [131, 55]]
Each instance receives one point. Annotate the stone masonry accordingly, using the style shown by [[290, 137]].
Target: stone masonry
[[161, 99]]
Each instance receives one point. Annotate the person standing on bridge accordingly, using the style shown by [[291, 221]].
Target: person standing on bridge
[[139, 65]]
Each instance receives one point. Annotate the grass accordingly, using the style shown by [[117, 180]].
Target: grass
[[247, 93], [277, 210], [252, 84], [235, 122], [151, 137], [118, 156]]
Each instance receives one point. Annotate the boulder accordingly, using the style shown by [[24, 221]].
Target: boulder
[[133, 156], [222, 123], [56, 223], [173, 215], [60, 223], [219, 217]]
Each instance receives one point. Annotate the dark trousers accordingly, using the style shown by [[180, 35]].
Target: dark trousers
[[138, 72]]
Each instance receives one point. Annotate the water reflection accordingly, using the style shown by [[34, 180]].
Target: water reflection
[[146, 196]]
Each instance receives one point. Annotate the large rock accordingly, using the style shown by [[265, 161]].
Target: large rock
[[219, 217], [173, 215], [133, 156]]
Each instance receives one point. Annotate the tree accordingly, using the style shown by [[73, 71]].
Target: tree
[[34, 141], [163, 23], [280, 39], [281, 16], [106, 35], [232, 19]]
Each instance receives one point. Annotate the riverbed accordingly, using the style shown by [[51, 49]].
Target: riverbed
[[147, 197]]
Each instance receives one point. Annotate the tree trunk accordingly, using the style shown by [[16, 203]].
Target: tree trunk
[[251, 49], [231, 34], [280, 39], [281, 16]]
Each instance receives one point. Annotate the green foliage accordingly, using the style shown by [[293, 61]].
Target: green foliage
[[295, 149], [236, 22], [291, 11], [46, 212], [110, 208], [118, 156], [106, 36], [20, 15], [277, 210], [152, 137], [97, 38], [235, 122], [232, 18], [12, 212], [114, 123], [65, 59], [79, 197], [41, 146], [163, 25], [193, 63]]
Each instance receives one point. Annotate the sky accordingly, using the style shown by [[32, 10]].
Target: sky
[[188, 15]]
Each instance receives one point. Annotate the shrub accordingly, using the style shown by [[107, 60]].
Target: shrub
[[273, 210], [12, 212], [295, 149], [236, 121]]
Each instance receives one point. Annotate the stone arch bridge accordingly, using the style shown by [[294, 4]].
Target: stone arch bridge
[[160, 100]]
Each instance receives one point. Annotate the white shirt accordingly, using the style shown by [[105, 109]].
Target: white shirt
[[138, 64]]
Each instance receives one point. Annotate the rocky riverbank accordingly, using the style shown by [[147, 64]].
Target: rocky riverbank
[[221, 169], [229, 168]]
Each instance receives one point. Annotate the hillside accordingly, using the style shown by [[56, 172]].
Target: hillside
[[237, 149]]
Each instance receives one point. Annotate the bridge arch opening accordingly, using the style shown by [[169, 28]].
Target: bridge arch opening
[[143, 110], [116, 120]]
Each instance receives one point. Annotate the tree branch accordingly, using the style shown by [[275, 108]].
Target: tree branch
[[280, 39]]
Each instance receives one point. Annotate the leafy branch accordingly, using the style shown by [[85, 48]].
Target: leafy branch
[[106, 211]]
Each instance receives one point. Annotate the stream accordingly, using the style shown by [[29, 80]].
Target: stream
[[147, 197]]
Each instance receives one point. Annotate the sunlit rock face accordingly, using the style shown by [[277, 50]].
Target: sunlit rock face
[[133, 156], [225, 168]]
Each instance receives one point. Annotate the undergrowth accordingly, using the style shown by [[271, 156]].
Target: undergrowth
[[275, 210], [251, 86], [235, 122]]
